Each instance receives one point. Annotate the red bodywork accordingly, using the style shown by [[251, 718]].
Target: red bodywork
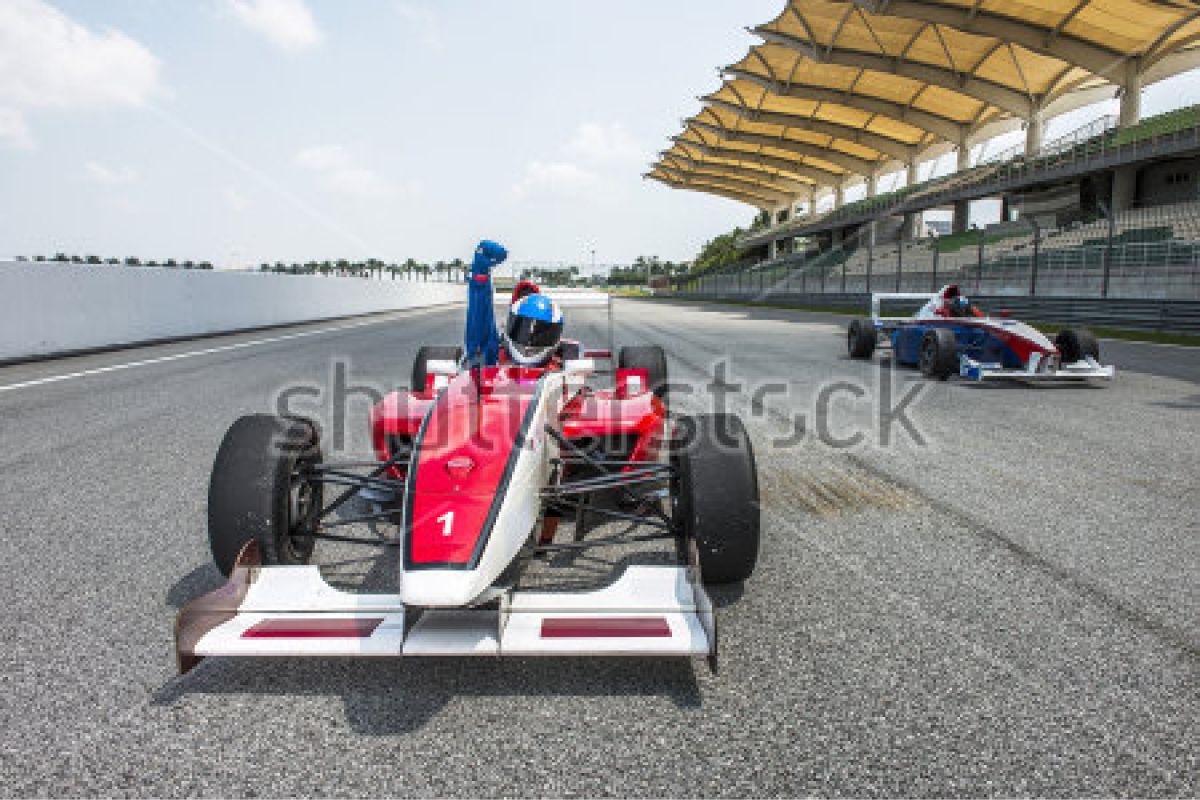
[[468, 439]]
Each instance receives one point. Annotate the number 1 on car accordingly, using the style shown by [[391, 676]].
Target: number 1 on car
[[447, 521]]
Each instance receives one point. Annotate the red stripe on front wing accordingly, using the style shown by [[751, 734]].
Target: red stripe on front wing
[[605, 628], [284, 628]]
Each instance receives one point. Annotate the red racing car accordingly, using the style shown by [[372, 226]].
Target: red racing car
[[485, 464]]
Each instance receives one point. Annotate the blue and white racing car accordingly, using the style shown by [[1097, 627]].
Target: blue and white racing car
[[948, 335]]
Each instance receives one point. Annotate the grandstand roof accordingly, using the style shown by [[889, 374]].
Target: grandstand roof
[[842, 88]]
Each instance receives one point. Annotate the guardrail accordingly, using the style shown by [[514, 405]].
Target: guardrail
[[1160, 316]]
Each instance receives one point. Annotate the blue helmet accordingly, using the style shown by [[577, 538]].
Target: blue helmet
[[535, 326]]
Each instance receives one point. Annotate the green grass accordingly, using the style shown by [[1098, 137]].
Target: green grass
[[1156, 337]]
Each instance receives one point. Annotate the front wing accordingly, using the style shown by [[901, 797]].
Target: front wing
[[1084, 369], [292, 611]]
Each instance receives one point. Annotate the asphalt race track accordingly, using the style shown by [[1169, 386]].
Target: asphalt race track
[[1002, 599]]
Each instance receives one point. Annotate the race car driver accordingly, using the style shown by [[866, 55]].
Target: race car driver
[[534, 327]]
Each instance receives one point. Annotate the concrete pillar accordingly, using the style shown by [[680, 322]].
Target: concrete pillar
[[1131, 95], [1124, 188], [839, 196], [1005, 209], [962, 210], [912, 226], [873, 184], [772, 249], [1035, 129], [910, 173]]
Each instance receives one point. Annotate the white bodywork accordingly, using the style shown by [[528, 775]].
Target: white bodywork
[[667, 602], [514, 522]]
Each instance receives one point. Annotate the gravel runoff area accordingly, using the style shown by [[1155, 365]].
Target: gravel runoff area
[[964, 590]]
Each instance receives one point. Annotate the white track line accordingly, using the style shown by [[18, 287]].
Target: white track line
[[190, 354]]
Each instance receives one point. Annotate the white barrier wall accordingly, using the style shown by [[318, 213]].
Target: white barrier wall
[[50, 307], [565, 297]]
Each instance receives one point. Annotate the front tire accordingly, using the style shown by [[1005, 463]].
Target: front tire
[[652, 359], [716, 495], [432, 353], [861, 338], [258, 491], [939, 354], [1076, 344]]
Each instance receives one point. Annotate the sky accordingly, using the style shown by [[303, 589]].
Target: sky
[[241, 131]]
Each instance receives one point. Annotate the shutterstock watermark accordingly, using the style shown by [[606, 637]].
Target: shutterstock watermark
[[839, 413]]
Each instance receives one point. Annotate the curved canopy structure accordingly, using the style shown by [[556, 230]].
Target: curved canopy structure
[[845, 88]]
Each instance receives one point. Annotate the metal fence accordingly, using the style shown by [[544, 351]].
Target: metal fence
[[1149, 253]]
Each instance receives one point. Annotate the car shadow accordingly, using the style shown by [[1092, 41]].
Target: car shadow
[[201, 580], [1012, 384], [388, 697]]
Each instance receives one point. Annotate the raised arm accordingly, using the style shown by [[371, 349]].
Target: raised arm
[[480, 337]]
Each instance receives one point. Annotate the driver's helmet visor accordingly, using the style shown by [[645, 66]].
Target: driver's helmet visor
[[533, 336]]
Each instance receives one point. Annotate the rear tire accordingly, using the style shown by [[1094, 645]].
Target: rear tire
[[861, 338], [1075, 344], [716, 495], [652, 359], [431, 353], [939, 354], [255, 493]]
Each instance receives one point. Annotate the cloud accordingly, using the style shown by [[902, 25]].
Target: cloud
[[557, 177], [339, 172], [424, 21], [14, 131], [49, 61], [235, 199], [110, 176], [287, 24], [603, 142], [593, 153]]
